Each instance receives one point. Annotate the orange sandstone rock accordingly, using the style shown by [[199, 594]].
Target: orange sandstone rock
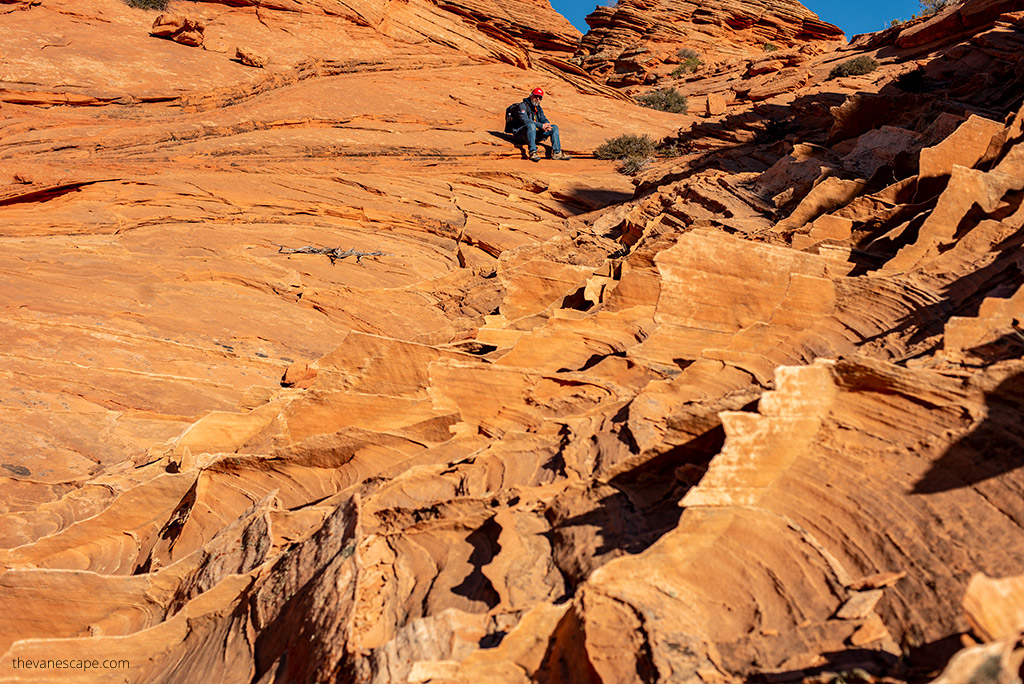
[[995, 608], [179, 28], [250, 58]]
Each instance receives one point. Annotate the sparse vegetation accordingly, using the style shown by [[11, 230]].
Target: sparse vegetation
[[689, 62], [624, 146], [854, 67], [634, 152], [665, 100], [148, 4], [631, 166], [933, 6], [928, 8], [774, 130], [769, 47], [857, 674], [670, 151]]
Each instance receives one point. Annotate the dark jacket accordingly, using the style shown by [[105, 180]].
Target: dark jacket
[[523, 114]]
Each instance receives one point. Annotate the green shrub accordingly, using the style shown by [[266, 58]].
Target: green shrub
[[665, 100], [928, 8], [670, 151], [774, 130], [625, 146], [634, 152], [690, 60], [633, 164], [933, 6], [148, 4], [854, 67], [768, 47]]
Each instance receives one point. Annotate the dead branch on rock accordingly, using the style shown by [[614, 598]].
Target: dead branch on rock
[[332, 253]]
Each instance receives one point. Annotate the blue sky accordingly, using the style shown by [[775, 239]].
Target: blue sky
[[861, 16]]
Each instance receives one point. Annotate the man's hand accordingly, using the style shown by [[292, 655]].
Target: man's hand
[[546, 127]]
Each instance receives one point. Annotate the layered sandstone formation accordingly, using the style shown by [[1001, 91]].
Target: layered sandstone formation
[[637, 42], [755, 415]]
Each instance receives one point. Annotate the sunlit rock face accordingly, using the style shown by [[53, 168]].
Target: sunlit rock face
[[310, 375], [636, 42]]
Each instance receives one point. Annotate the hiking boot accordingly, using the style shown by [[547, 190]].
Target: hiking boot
[[561, 156], [534, 156]]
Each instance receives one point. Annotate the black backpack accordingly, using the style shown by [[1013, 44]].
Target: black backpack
[[511, 117]]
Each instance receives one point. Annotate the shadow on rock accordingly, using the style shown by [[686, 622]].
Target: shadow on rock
[[591, 199], [918, 663], [994, 448], [629, 513], [475, 586], [510, 139], [850, 666]]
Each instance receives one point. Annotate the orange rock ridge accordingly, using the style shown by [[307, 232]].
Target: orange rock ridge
[[639, 42]]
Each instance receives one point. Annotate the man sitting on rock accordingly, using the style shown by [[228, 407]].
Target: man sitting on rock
[[527, 123]]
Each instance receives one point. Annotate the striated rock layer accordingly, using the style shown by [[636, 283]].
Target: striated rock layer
[[632, 42], [312, 377]]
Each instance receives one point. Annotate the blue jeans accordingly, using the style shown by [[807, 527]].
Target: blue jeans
[[532, 132]]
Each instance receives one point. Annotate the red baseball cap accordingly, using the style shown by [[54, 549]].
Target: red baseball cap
[[538, 92]]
